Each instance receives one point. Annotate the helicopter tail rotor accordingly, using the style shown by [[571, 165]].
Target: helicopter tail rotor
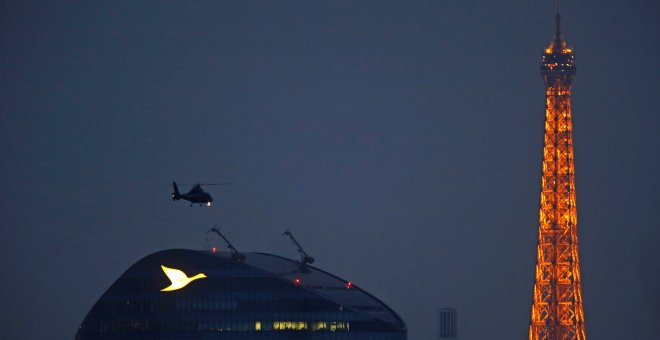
[[175, 194]]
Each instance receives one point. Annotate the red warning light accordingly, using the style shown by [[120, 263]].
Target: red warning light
[[213, 250], [349, 285], [297, 281]]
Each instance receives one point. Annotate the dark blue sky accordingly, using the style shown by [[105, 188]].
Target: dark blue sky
[[400, 141]]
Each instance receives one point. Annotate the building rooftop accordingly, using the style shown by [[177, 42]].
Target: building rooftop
[[318, 281]]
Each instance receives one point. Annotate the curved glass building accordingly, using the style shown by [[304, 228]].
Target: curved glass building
[[187, 294]]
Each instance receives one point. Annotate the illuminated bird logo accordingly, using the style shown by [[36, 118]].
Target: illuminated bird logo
[[179, 279]]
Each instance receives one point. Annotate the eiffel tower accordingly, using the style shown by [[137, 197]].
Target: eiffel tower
[[557, 312]]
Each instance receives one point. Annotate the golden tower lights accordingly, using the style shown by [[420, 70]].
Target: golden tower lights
[[557, 312]]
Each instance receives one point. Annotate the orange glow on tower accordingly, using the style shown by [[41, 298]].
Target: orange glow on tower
[[557, 312]]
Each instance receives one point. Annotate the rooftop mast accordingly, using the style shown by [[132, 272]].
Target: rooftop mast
[[304, 258], [235, 254]]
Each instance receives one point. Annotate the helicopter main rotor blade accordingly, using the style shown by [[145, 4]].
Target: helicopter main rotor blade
[[225, 183]]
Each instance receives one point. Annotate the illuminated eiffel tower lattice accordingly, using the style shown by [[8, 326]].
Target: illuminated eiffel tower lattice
[[557, 312]]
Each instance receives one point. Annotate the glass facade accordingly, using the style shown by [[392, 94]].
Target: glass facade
[[208, 295]]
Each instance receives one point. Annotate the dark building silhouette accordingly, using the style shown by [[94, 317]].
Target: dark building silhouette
[[186, 294], [447, 323]]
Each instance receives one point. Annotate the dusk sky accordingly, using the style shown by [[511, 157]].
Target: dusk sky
[[400, 141]]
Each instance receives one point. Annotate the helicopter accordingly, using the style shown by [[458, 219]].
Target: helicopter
[[195, 195]]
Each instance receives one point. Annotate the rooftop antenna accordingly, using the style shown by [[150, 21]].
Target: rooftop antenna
[[559, 42], [558, 32], [304, 258], [235, 254]]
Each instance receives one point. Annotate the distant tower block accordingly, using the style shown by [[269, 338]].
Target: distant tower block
[[557, 312], [447, 323]]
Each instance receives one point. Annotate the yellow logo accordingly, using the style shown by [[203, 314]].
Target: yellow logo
[[178, 278]]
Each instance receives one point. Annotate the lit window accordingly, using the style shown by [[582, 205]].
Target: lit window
[[289, 325]]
